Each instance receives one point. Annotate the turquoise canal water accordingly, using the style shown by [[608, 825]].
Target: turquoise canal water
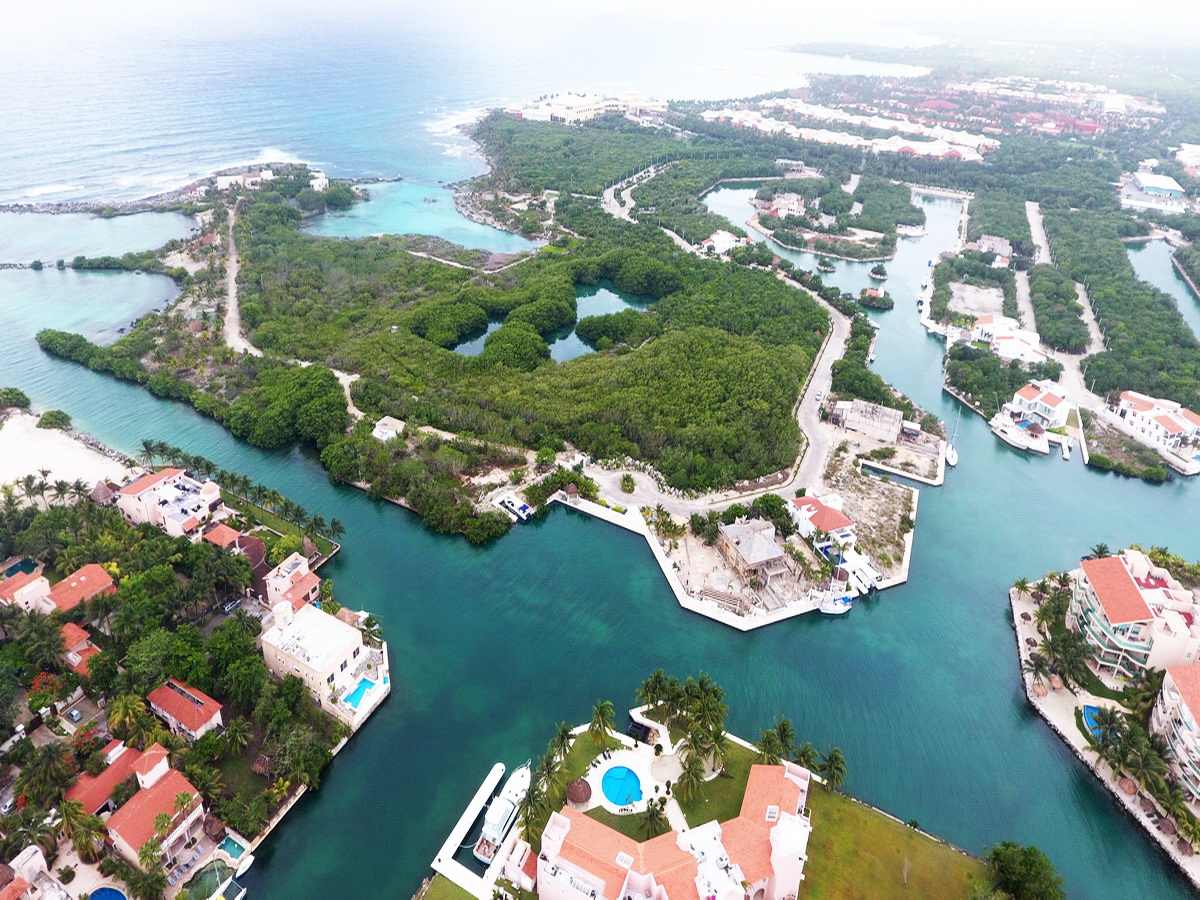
[[403, 207], [595, 300], [1152, 262], [491, 646]]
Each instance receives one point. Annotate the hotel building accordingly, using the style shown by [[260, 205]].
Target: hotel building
[[1175, 717]]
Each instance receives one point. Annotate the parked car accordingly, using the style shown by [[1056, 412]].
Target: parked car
[[75, 716]]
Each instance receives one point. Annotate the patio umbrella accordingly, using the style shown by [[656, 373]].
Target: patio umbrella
[[1056, 682], [1031, 642], [1166, 826], [1026, 617], [579, 792], [1128, 786], [1184, 847], [1147, 805]]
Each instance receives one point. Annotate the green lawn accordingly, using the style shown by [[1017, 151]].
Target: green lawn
[[257, 514], [855, 852], [630, 826], [442, 888], [659, 715], [721, 798], [237, 776]]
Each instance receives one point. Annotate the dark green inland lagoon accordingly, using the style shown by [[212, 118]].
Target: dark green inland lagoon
[[490, 647]]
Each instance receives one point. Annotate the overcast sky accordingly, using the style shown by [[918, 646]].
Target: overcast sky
[[779, 22]]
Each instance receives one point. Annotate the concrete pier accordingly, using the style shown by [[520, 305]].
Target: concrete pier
[[445, 863]]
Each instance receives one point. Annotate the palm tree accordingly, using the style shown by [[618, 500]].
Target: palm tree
[[85, 832], [602, 722], [237, 736], [148, 454], [718, 749], [547, 767], [125, 712], [561, 742], [833, 769], [1099, 550], [1110, 726], [653, 690], [691, 777], [807, 756], [46, 775], [787, 738], [769, 750], [1038, 667], [1146, 766], [529, 811], [1021, 586], [655, 821], [336, 529]]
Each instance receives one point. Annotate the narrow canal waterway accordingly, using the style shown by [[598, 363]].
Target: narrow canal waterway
[[491, 646], [1152, 262]]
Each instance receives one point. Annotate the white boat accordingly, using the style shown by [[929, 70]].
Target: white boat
[[244, 865], [951, 452], [501, 814], [835, 606]]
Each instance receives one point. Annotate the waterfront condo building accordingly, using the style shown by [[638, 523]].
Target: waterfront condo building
[[1135, 614], [159, 790], [186, 710], [1163, 423], [170, 500], [348, 678], [759, 855], [1176, 718]]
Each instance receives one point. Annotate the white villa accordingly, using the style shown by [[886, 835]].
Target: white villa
[[1007, 338], [348, 678], [1134, 613], [813, 515], [170, 500], [1042, 403], [32, 878], [387, 428], [292, 582], [1175, 717], [760, 855], [721, 242], [1163, 423], [317, 180], [244, 179]]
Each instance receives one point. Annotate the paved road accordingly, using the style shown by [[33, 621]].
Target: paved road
[[233, 317], [1038, 231]]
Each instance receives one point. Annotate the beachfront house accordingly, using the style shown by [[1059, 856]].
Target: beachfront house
[[292, 582], [348, 678], [759, 855], [1162, 423], [186, 710], [169, 499], [1042, 403], [1176, 719], [78, 648], [1135, 614], [720, 242], [813, 515], [387, 428], [317, 180], [1007, 338], [159, 790], [749, 546]]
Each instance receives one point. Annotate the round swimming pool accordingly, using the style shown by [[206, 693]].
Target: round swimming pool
[[621, 785], [106, 893]]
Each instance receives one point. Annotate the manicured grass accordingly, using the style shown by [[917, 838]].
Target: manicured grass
[[659, 715], [257, 514], [237, 775], [583, 750], [442, 888], [856, 852], [631, 826], [721, 798]]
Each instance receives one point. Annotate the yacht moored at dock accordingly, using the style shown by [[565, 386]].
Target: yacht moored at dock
[[501, 814]]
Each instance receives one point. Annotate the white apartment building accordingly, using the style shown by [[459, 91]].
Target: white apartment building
[[348, 678], [1162, 423], [1175, 717], [1134, 613], [170, 500]]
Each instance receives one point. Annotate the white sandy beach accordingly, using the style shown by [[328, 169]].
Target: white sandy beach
[[25, 449]]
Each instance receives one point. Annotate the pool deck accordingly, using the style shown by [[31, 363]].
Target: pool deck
[[1057, 708]]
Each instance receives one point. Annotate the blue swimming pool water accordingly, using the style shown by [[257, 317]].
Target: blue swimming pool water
[[106, 893], [1089, 719], [25, 565], [232, 847], [356, 695], [621, 785]]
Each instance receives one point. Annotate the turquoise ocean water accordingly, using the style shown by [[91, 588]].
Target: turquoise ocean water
[[491, 646]]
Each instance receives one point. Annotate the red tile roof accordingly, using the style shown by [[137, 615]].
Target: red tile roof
[[1118, 595], [1169, 425], [81, 586], [10, 586], [1187, 681], [189, 706], [1029, 392], [301, 588], [1140, 402], [73, 635], [1051, 399], [149, 480], [824, 518], [15, 889], [1191, 416], [134, 821], [93, 791], [222, 535], [154, 754]]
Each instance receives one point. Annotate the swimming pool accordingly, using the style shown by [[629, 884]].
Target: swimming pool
[[1089, 719], [355, 696], [232, 847], [621, 785], [26, 565], [106, 893]]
